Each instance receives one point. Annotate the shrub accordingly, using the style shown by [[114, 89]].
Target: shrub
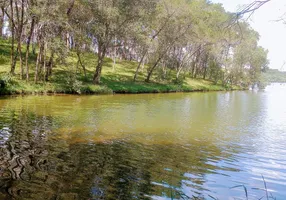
[[73, 85]]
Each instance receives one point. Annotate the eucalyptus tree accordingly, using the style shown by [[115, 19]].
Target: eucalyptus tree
[[109, 19], [2, 17], [258, 63], [248, 59], [15, 11], [8, 8], [150, 29], [178, 35], [78, 20], [179, 24], [32, 18]]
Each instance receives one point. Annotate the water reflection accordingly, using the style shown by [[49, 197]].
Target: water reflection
[[36, 163], [178, 146]]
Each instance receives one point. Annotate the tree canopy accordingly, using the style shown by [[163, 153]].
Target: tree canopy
[[190, 38]]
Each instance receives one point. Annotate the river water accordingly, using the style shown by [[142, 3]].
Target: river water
[[150, 146]]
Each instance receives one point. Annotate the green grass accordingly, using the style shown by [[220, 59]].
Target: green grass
[[67, 78]]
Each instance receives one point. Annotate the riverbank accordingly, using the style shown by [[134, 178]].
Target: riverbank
[[68, 78], [112, 87]]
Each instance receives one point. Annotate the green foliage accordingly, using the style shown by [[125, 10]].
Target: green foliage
[[178, 42], [273, 75], [178, 81], [67, 79], [8, 78], [3, 59], [73, 85]]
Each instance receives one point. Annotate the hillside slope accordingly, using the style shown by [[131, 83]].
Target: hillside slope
[[68, 77]]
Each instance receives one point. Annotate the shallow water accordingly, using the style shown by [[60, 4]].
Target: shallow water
[[157, 146]]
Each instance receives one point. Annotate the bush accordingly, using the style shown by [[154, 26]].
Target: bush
[[7, 78], [178, 81], [2, 84], [73, 85]]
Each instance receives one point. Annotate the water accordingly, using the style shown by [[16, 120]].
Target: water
[[158, 146]]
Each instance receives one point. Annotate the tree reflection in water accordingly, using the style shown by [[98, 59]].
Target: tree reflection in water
[[37, 164]]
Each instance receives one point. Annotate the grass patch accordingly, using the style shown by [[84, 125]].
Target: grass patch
[[118, 78]]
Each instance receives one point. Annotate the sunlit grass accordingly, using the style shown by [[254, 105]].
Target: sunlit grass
[[68, 77]]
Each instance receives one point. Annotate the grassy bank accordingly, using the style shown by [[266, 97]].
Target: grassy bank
[[69, 78]]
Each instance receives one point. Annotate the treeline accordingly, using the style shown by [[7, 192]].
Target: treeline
[[194, 38], [274, 76]]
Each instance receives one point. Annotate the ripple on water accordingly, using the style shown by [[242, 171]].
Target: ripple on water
[[143, 146]]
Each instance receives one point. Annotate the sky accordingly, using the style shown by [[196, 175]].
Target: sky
[[264, 21]]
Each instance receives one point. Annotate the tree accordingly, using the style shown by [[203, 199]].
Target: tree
[[185, 38], [251, 8], [178, 25], [109, 20]]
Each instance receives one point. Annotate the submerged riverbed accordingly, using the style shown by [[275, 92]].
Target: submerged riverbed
[[149, 146]]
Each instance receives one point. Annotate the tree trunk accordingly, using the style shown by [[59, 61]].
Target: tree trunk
[[139, 65], [20, 24], [28, 47], [151, 70], [68, 40], [179, 71], [205, 72], [101, 56], [2, 21], [50, 66], [13, 38], [97, 75], [195, 72], [38, 62], [34, 49], [80, 62], [114, 58], [164, 67], [21, 58], [124, 51], [193, 68], [45, 63], [205, 67], [20, 38]]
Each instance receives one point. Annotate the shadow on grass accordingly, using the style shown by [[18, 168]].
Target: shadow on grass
[[119, 86]]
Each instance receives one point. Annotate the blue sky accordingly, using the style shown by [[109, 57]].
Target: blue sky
[[273, 34]]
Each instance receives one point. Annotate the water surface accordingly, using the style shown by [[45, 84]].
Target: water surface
[[151, 146]]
